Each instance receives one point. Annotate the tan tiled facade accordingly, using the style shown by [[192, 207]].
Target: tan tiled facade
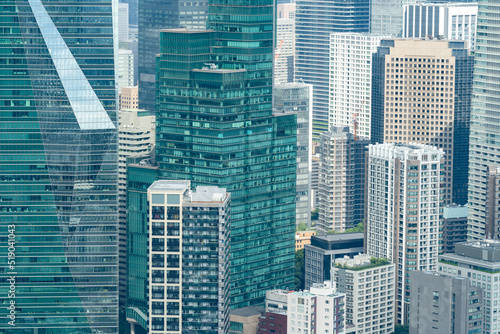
[[419, 98], [303, 238]]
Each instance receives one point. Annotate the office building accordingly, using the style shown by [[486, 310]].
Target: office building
[[245, 320], [154, 15], [351, 81], [341, 185], [286, 10], [444, 304], [285, 51], [58, 169], [403, 203], [369, 285], [454, 226], [297, 98], [322, 300], [320, 255], [387, 17], [484, 142], [421, 93], [141, 173], [123, 17], [129, 98], [125, 68], [479, 261], [452, 21], [215, 126], [136, 139], [314, 21]]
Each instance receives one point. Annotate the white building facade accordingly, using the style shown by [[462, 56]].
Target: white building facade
[[125, 68], [402, 217], [452, 21], [350, 80], [188, 258], [369, 287], [319, 310]]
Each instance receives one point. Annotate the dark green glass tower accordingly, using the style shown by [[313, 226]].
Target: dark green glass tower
[[215, 126], [58, 168]]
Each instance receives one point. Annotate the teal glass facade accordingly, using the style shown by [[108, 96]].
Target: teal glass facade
[[484, 150], [215, 127], [139, 178], [58, 168]]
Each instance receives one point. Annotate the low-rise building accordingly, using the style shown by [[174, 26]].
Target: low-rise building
[[245, 320], [320, 255], [303, 238], [369, 285]]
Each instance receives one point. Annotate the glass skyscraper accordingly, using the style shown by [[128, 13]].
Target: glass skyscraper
[[485, 116], [314, 21], [153, 16], [215, 127], [58, 168]]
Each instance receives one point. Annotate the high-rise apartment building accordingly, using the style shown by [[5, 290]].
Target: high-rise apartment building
[[444, 304], [479, 262], [296, 98], [58, 168], [341, 185], [314, 21], [215, 126], [484, 140], [452, 21], [351, 81], [188, 258], [492, 228], [403, 204], [154, 15], [421, 94], [369, 285]]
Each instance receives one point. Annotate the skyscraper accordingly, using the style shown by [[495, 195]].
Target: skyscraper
[[484, 133], [154, 15], [297, 98], [403, 211], [188, 258], [341, 185], [453, 21], [215, 127], [386, 16], [421, 93], [314, 21], [58, 168], [351, 80]]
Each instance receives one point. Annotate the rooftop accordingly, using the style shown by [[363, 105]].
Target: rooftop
[[340, 236], [170, 185], [184, 30], [248, 311]]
